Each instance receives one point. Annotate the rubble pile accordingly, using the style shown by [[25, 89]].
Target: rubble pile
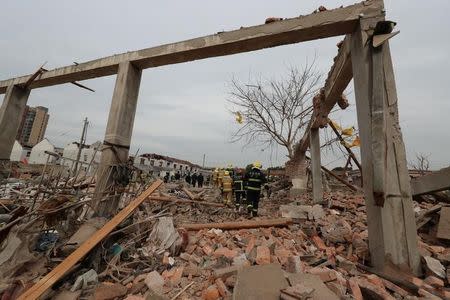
[[167, 249]]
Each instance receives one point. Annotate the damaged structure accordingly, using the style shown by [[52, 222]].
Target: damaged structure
[[364, 56]]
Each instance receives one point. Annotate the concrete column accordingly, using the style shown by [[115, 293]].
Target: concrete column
[[11, 113], [390, 215], [315, 165], [117, 138]]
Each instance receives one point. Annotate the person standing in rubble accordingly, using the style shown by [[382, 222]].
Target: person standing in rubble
[[188, 178], [227, 189], [219, 179], [166, 177], [215, 177], [238, 189], [194, 179], [200, 180], [254, 179]]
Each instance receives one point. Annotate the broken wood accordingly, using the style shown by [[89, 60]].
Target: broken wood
[[349, 185], [58, 272], [184, 201], [189, 193], [341, 139], [239, 225]]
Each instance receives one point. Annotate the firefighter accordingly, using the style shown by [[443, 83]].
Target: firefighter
[[227, 183], [215, 177], [219, 179], [254, 179], [238, 189]]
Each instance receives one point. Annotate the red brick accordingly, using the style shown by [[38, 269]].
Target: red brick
[[225, 252], [319, 243], [325, 274], [211, 293], [375, 280], [354, 288], [262, 255], [250, 245], [282, 255], [434, 281], [395, 288], [207, 250], [381, 292], [223, 290], [109, 291]]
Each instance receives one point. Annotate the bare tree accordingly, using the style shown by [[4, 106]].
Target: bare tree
[[275, 111], [421, 164]]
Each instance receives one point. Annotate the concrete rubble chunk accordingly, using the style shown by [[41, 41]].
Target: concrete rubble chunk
[[434, 267], [154, 282], [295, 211], [299, 290], [106, 291], [260, 282], [320, 290]]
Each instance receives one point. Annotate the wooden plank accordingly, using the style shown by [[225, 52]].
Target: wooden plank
[[434, 182], [304, 28], [349, 151], [189, 193], [58, 272], [443, 231], [239, 225], [184, 201]]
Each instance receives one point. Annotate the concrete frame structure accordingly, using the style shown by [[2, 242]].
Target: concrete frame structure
[[391, 224]]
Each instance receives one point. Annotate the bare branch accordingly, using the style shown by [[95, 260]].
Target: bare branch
[[275, 111]]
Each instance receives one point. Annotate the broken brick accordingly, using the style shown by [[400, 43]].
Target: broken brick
[[262, 255]]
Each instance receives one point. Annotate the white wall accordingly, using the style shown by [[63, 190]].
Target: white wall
[[70, 151], [17, 153], [38, 156]]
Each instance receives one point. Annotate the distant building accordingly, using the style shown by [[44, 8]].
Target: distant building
[[158, 165], [19, 152], [90, 156], [33, 125], [38, 155]]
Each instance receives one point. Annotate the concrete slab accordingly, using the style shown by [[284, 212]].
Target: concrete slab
[[321, 291], [260, 282]]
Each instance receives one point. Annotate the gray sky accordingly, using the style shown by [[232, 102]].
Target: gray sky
[[182, 110]]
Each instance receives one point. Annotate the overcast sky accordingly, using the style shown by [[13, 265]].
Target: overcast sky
[[182, 108]]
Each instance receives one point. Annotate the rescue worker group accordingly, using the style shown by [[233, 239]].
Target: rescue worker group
[[240, 188]]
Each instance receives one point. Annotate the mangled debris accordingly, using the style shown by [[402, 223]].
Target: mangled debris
[[201, 249]]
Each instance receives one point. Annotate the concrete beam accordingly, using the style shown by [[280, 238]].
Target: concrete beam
[[434, 182], [117, 138], [304, 28], [337, 81], [11, 113], [315, 166]]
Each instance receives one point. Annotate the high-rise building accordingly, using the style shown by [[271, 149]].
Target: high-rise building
[[33, 125]]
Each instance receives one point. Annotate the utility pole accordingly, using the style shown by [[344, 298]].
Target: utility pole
[[204, 157], [81, 145]]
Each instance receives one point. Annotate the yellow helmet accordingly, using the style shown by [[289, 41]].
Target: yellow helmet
[[257, 165], [226, 173]]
